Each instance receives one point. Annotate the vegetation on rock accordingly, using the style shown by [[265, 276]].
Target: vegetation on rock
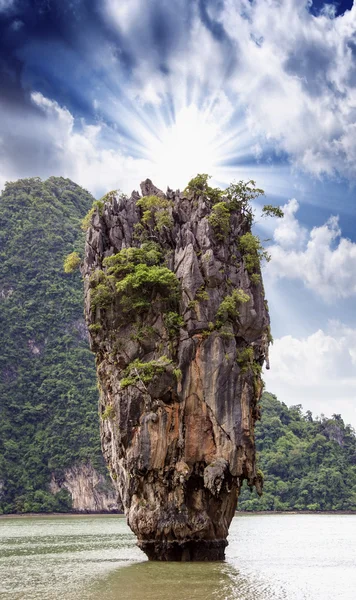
[[220, 220], [97, 205], [199, 185], [228, 308], [139, 372], [253, 252], [156, 212], [72, 262]]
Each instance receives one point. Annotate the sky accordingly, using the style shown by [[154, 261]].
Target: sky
[[110, 92]]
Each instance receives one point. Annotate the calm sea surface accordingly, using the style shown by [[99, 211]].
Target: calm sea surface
[[294, 557]]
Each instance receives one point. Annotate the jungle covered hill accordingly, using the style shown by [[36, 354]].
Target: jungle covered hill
[[48, 395], [308, 463]]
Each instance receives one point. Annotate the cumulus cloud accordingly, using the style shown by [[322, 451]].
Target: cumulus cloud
[[298, 80], [54, 144], [293, 72], [289, 233], [322, 259], [318, 371]]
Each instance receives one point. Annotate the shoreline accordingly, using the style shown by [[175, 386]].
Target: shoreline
[[121, 515], [60, 515], [295, 512]]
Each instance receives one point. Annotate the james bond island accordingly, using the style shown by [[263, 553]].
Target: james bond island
[[179, 325]]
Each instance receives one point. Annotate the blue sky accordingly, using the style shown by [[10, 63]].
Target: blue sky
[[110, 92]]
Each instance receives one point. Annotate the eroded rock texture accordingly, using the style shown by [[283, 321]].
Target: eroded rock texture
[[178, 436], [90, 491]]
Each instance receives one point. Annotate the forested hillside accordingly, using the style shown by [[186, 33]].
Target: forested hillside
[[308, 463], [48, 395]]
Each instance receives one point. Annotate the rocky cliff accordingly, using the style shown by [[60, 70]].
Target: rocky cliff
[[179, 325], [89, 490]]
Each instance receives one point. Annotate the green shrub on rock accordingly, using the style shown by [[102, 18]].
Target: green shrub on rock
[[253, 252], [97, 205], [125, 261], [173, 321], [143, 372], [156, 212], [228, 308], [198, 186], [219, 219], [71, 262], [145, 282]]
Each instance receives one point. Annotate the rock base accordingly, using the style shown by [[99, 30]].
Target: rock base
[[190, 550]]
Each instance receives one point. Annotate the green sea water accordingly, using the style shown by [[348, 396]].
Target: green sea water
[[269, 557]]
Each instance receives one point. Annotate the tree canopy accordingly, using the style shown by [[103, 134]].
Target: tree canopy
[[308, 463]]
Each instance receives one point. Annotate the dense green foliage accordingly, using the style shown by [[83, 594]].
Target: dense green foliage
[[228, 308], [48, 396], [71, 262], [199, 185], [141, 373], [219, 219], [125, 261], [308, 463], [156, 212], [134, 278], [253, 252]]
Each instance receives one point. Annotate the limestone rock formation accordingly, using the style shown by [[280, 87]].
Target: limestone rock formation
[[179, 325], [90, 491]]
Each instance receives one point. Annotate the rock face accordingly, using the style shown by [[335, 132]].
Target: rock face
[[179, 341], [89, 490]]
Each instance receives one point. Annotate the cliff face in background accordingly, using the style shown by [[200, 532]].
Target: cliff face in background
[[90, 491], [48, 392], [180, 329]]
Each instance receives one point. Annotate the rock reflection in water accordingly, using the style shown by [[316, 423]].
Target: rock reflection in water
[[179, 581]]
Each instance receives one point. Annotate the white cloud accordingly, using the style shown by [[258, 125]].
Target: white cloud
[[299, 81], [289, 233], [294, 73], [318, 371], [323, 259], [124, 12], [53, 142], [80, 154]]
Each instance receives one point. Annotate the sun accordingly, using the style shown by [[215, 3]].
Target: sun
[[187, 147]]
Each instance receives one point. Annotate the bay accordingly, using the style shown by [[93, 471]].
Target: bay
[[269, 557]]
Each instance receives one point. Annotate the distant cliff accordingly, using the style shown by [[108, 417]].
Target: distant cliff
[[48, 396], [179, 324], [89, 490]]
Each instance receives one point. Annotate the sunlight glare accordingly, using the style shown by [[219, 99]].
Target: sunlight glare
[[188, 147]]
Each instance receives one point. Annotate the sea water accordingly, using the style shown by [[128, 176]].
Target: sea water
[[269, 557]]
